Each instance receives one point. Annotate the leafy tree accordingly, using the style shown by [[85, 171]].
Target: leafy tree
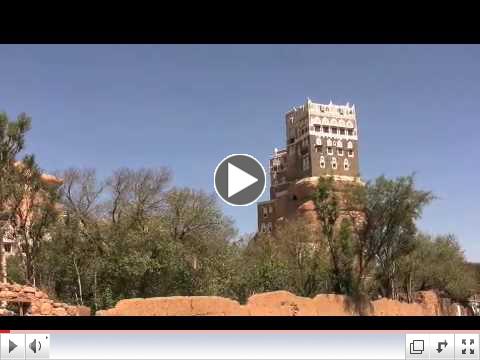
[[391, 208], [305, 257], [33, 208], [12, 142], [264, 270], [437, 263], [336, 230]]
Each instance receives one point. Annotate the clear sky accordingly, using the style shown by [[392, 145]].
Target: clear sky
[[187, 107]]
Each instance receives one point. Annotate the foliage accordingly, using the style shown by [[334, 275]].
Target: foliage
[[95, 242], [437, 263]]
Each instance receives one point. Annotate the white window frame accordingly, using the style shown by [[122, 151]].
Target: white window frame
[[352, 154], [330, 150], [334, 163], [322, 162], [346, 165], [340, 151]]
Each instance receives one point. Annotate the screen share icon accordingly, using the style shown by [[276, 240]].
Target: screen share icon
[[417, 347]]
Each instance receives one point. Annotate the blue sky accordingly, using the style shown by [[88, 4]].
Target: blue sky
[[187, 107]]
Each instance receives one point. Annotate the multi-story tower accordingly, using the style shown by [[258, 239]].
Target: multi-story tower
[[321, 140]]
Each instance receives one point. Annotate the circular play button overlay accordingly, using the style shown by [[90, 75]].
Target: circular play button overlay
[[239, 179]]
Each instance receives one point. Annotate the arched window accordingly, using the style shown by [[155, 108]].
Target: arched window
[[346, 165], [333, 122], [339, 144], [325, 121], [350, 145], [329, 142], [322, 162], [334, 163], [349, 124], [341, 123], [318, 140]]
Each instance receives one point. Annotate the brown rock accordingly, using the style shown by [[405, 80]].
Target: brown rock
[[6, 294], [333, 305], [72, 310], [83, 310], [78, 310], [29, 289], [59, 312], [305, 187], [216, 305], [307, 206], [155, 306], [57, 304], [280, 303], [46, 308]]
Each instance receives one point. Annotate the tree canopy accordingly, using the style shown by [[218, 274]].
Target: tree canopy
[[95, 241]]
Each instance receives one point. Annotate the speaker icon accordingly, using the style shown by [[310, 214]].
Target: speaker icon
[[35, 346]]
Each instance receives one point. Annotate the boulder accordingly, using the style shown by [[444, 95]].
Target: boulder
[[59, 312], [6, 294], [40, 294], [46, 308], [83, 310]]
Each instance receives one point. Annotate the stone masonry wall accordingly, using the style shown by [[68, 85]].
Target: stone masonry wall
[[36, 302]]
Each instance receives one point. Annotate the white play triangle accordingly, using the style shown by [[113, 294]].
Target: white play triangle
[[238, 180]]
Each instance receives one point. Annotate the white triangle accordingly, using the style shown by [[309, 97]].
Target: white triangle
[[238, 180]]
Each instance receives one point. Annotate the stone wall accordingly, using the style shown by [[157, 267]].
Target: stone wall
[[278, 303], [32, 301], [282, 303]]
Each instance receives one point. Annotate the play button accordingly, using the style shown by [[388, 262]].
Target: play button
[[11, 346], [239, 179]]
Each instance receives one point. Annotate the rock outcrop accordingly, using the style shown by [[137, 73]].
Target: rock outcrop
[[283, 303]]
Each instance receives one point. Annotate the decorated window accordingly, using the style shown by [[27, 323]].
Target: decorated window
[[334, 163]]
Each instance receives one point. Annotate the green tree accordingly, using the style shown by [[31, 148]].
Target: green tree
[[12, 142], [391, 209], [437, 263], [33, 208], [305, 256]]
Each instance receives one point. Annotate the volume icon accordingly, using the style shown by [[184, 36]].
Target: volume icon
[[35, 346]]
